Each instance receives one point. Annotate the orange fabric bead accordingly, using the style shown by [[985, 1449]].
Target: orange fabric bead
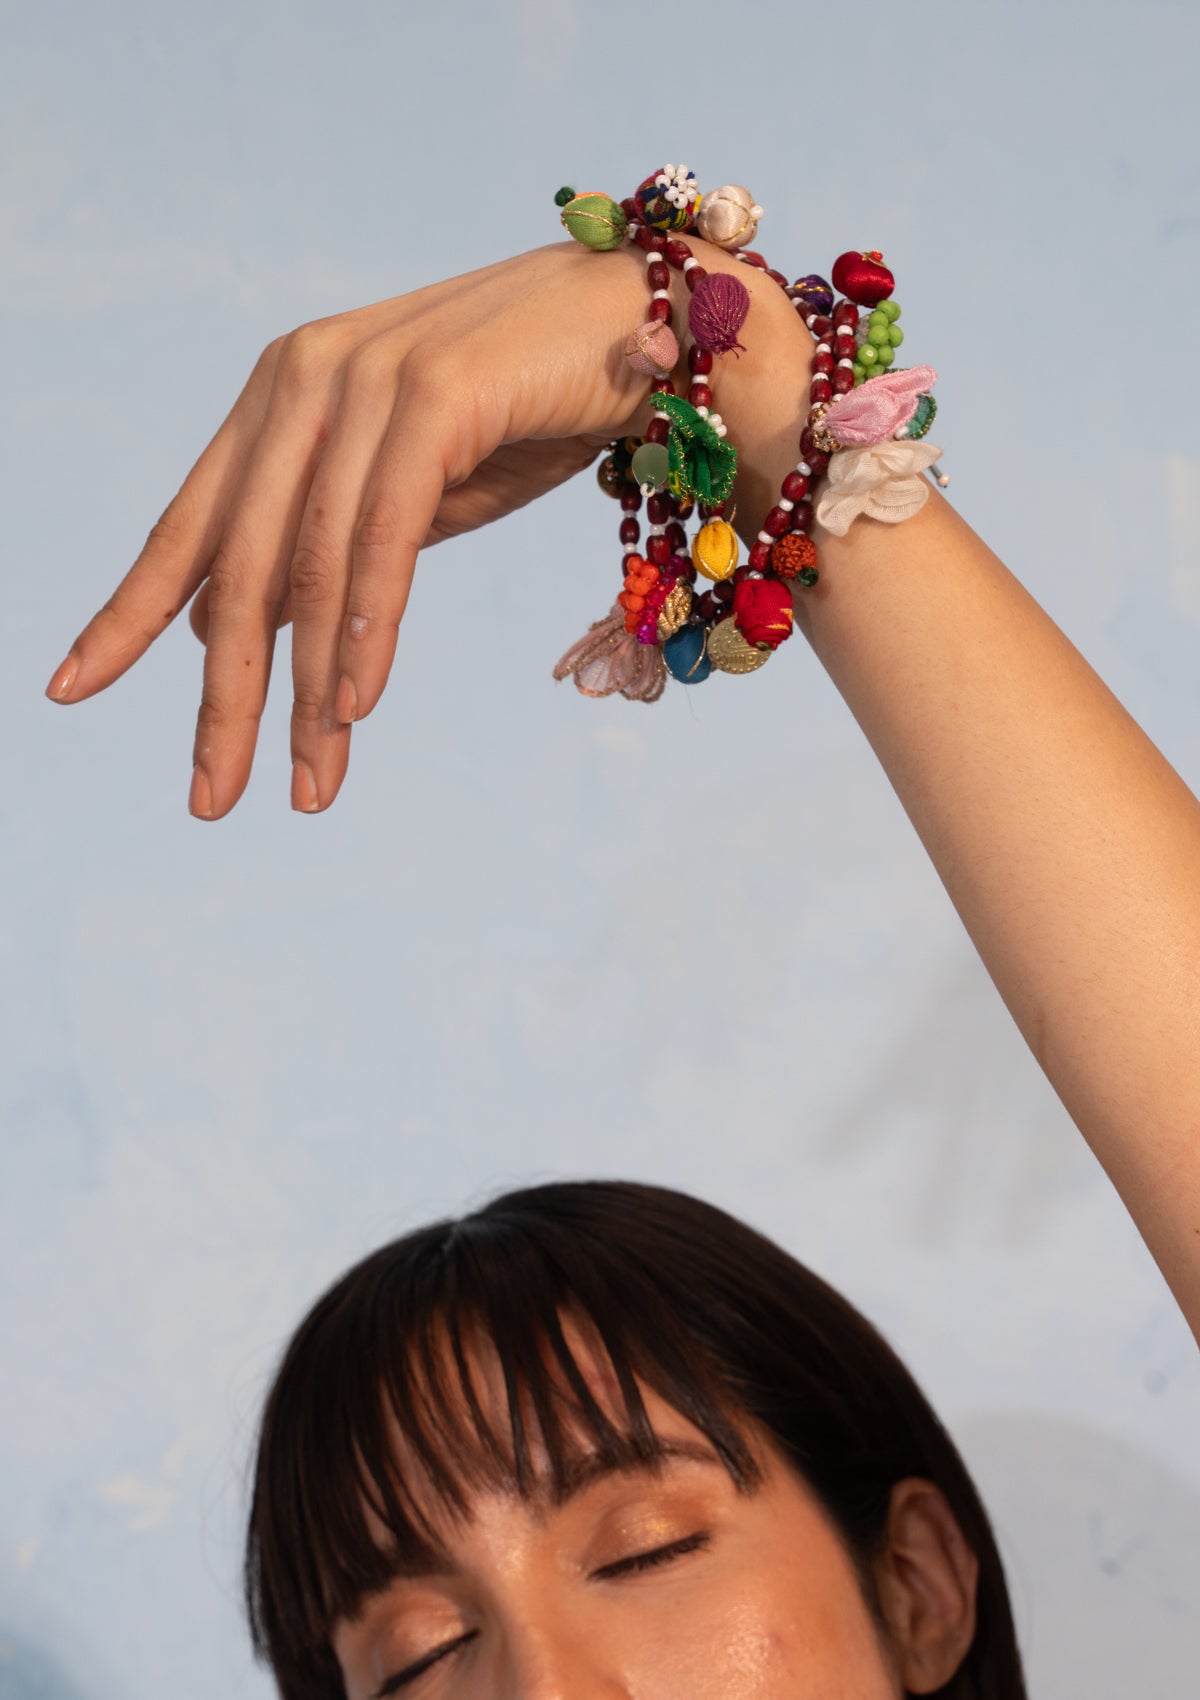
[[792, 553]]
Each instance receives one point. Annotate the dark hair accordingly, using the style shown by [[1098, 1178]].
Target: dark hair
[[719, 1321]]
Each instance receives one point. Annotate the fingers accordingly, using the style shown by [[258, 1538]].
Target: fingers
[[248, 582], [433, 440], [319, 575], [175, 559]]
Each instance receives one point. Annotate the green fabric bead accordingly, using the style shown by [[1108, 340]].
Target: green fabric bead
[[895, 335], [651, 464], [877, 336], [596, 221], [563, 196], [868, 354], [885, 356]]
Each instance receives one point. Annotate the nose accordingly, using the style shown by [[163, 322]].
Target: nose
[[560, 1660]]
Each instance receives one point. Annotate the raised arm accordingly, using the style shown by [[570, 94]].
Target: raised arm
[[1067, 843]]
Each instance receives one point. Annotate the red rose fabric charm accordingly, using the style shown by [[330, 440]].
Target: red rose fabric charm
[[763, 610], [863, 278]]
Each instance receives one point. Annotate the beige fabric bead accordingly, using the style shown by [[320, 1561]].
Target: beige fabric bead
[[728, 217]]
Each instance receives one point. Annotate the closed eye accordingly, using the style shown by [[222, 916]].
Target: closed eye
[[641, 1561], [410, 1673]]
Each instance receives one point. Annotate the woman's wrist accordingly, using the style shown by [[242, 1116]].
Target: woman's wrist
[[760, 393]]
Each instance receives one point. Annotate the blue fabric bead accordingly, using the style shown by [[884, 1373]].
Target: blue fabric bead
[[686, 657]]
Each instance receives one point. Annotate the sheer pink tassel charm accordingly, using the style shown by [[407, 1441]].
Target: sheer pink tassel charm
[[610, 659]]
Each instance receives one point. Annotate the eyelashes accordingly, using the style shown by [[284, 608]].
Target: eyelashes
[[639, 1562], [410, 1673], [636, 1564]]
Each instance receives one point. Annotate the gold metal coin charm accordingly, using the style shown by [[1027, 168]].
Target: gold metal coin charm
[[729, 651]]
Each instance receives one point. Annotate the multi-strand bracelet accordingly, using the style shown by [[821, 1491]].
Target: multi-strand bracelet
[[861, 449]]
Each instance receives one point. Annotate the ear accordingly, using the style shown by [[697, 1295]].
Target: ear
[[926, 1581]]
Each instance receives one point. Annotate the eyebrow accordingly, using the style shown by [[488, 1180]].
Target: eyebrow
[[578, 1475]]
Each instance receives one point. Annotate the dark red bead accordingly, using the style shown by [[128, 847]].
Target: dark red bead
[[723, 592], [820, 390], [795, 487], [657, 274], [630, 531], [778, 277], [817, 459], [845, 313], [658, 509], [677, 538], [823, 363], [843, 380], [700, 359], [629, 207], [751, 258], [658, 551], [760, 555], [661, 309], [706, 605], [820, 325], [802, 516], [777, 522], [696, 275], [711, 510], [658, 431], [689, 573], [631, 498], [700, 395], [678, 252]]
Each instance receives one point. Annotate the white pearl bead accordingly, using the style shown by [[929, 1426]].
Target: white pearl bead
[[661, 295], [804, 469], [785, 504], [845, 362], [690, 262], [765, 537]]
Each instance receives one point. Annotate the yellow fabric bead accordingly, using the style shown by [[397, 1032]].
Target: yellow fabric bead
[[715, 551]]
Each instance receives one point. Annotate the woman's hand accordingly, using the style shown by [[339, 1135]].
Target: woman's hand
[[358, 440]]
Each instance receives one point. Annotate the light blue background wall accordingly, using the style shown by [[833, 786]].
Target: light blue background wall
[[236, 1057]]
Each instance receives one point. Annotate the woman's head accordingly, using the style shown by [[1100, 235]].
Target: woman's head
[[603, 1439]]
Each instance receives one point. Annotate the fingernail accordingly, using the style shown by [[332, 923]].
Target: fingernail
[[345, 701], [200, 795], [304, 789], [61, 683]]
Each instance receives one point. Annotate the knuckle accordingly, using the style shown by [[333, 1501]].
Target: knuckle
[[306, 354], [314, 573], [226, 582], [308, 706], [375, 532]]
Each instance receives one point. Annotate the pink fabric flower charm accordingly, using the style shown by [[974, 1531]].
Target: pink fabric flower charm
[[877, 409], [882, 480]]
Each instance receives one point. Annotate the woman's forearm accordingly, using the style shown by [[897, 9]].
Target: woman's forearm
[[1068, 845]]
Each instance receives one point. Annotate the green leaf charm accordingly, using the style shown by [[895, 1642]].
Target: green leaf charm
[[703, 464]]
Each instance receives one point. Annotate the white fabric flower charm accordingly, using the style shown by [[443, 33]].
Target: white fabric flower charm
[[881, 480]]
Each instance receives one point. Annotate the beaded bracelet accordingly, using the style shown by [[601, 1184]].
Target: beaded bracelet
[[862, 435]]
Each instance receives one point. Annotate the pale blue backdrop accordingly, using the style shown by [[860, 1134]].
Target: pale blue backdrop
[[236, 1057]]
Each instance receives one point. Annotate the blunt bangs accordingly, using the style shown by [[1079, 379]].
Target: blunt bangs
[[383, 1415]]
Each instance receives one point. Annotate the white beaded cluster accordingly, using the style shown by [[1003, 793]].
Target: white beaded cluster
[[678, 185]]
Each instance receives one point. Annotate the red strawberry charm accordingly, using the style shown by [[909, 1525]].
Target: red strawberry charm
[[863, 278]]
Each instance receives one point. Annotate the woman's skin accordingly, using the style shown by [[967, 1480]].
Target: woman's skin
[[669, 1583], [1069, 847]]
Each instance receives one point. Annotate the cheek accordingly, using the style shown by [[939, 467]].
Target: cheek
[[759, 1640]]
